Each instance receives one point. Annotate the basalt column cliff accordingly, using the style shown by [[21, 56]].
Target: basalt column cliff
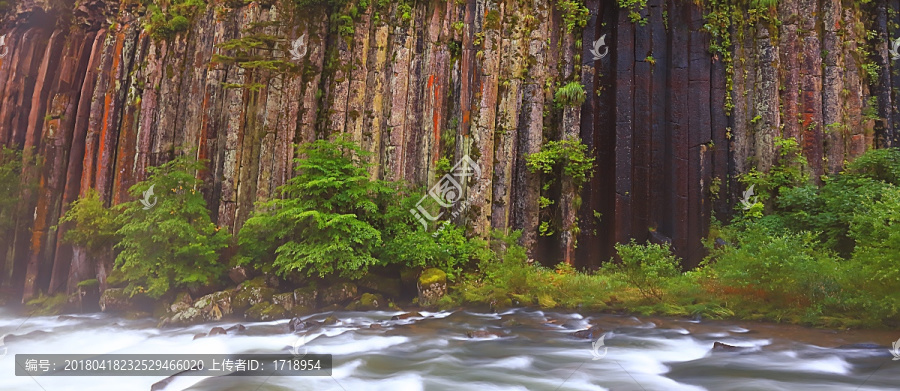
[[678, 99]]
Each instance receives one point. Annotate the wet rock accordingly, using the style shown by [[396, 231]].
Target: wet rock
[[285, 300], [238, 274], [432, 285], [591, 333], [330, 320], [297, 324], [265, 311], [217, 331], [237, 328], [376, 326], [189, 316], [406, 316], [483, 334], [338, 293], [368, 302], [115, 300], [215, 306], [198, 336], [305, 300], [250, 296], [182, 302], [724, 347]]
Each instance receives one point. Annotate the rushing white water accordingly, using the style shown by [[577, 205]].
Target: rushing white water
[[526, 350]]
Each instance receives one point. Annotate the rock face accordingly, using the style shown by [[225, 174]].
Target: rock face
[[100, 100]]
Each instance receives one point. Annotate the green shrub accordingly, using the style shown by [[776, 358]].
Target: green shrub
[[570, 95], [792, 269], [326, 220], [95, 225], [646, 267], [174, 242], [877, 236]]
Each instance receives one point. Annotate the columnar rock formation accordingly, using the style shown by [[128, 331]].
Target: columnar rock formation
[[87, 89]]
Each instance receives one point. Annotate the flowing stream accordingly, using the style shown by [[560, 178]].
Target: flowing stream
[[522, 349]]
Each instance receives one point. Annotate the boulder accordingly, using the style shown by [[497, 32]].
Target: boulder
[[432, 286], [591, 333], [285, 300], [237, 328], [297, 324], [238, 274], [265, 311], [330, 320], [249, 296], [367, 302], [215, 305], [406, 316], [217, 331], [305, 300], [338, 293], [115, 300], [182, 302]]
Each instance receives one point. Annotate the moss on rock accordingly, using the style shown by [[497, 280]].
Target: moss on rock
[[265, 311], [432, 276]]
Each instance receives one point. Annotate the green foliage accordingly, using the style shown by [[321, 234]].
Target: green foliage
[[877, 236], [10, 186], [333, 219], [788, 171], [174, 19], [570, 95], [174, 242], [568, 157], [634, 8], [574, 14], [646, 267], [95, 225]]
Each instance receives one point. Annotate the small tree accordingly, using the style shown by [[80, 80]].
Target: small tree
[[169, 239], [94, 225], [327, 220]]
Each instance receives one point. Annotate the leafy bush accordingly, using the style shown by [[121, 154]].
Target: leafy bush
[[570, 95], [95, 225], [877, 236], [174, 242], [791, 269], [646, 267]]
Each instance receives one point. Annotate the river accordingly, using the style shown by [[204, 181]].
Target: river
[[523, 349]]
